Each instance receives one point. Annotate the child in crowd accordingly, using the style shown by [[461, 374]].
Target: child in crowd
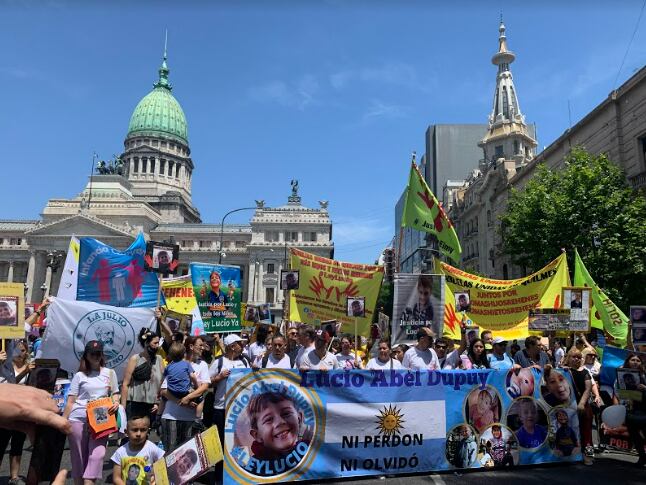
[[565, 440], [133, 462], [530, 434], [275, 425], [179, 373]]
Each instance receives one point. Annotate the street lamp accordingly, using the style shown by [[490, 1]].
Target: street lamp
[[222, 227]]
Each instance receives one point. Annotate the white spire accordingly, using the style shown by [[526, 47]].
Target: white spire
[[505, 106]]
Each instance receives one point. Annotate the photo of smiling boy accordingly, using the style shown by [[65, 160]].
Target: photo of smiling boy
[[275, 423], [566, 442], [530, 434]]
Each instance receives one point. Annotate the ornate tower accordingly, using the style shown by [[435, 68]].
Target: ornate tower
[[507, 136], [157, 154]]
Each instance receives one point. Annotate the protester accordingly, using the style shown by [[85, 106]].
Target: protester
[[132, 462], [383, 361], [498, 359], [142, 378], [15, 371], [259, 347], [447, 356], [399, 351], [636, 409], [582, 390], [347, 359], [487, 337], [557, 353], [531, 355], [92, 381], [306, 337], [277, 358], [24, 407], [180, 415], [319, 358], [476, 357], [292, 342], [591, 361], [219, 372], [422, 356], [514, 349]]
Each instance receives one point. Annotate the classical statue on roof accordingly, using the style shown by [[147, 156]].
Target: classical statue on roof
[[112, 167], [294, 184]]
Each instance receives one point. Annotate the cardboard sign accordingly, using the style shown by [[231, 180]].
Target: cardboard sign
[[99, 419], [12, 303], [161, 257]]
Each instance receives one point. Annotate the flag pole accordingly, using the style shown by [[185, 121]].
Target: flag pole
[[159, 290]]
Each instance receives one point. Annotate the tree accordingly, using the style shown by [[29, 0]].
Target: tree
[[384, 301], [587, 205]]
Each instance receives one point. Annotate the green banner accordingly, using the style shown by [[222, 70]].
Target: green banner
[[604, 314], [423, 212]]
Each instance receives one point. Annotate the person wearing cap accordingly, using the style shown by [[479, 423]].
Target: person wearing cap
[[319, 358], [92, 381], [219, 372], [498, 359], [422, 356]]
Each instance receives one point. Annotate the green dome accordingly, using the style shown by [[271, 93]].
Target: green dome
[[159, 112]]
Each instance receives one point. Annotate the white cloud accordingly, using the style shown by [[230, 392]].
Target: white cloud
[[299, 94], [379, 109], [394, 73]]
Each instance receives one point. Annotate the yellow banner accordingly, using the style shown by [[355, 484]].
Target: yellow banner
[[325, 286], [501, 306], [12, 310]]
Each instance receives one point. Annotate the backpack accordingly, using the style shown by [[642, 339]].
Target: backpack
[[265, 359], [220, 361]]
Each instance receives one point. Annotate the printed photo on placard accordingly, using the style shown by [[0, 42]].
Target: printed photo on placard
[[639, 333], [519, 382], [462, 446], [578, 300], [161, 257], [628, 381], [8, 311], [528, 419], [249, 315], [356, 306], [554, 320], [418, 301], [498, 447], [472, 334], [556, 389], [177, 322], [462, 301], [289, 280], [482, 408], [638, 314], [44, 374], [264, 313], [563, 436]]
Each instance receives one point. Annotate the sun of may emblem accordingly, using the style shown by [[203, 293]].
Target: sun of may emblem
[[390, 420]]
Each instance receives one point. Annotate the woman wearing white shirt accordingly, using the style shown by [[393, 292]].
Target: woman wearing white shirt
[[422, 356], [92, 381], [346, 358], [383, 361]]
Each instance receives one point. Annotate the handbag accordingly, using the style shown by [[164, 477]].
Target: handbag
[[142, 372]]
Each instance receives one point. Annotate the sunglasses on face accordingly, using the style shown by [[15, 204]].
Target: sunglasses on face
[[440, 347]]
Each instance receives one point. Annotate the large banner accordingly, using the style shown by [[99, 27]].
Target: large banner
[[418, 302], [72, 324], [179, 296], [325, 286], [353, 423], [500, 305], [115, 278], [217, 291], [68, 285]]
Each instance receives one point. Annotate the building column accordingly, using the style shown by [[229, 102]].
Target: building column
[[10, 273], [48, 281], [31, 275]]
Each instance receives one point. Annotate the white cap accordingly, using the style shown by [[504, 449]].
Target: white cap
[[231, 339]]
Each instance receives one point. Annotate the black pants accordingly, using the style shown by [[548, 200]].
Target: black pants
[[636, 424], [17, 441]]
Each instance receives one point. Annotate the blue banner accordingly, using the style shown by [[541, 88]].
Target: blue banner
[[116, 278], [282, 425]]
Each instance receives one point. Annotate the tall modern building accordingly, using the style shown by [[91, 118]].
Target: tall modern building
[[451, 151], [148, 189], [507, 147]]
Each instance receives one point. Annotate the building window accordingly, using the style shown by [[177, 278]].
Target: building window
[[162, 167], [270, 268], [155, 143], [505, 102], [144, 165], [136, 165], [152, 165], [291, 236], [163, 144], [205, 244], [642, 148], [177, 170], [271, 236], [516, 147], [269, 295], [186, 243], [240, 244], [499, 152], [309, 236]]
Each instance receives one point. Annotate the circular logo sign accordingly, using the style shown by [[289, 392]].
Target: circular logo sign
[[273, 427], [112, 329]]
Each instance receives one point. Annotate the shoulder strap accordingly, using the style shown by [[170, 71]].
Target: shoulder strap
[[265, 359], [219, 364]]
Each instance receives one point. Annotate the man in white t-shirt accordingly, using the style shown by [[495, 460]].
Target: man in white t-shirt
[[306, 336], [277, 358], [448, 357], [421, 356], [219, 372], [319, 358]]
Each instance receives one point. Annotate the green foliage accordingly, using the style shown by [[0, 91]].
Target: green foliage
[[587, 205], [384, 301]]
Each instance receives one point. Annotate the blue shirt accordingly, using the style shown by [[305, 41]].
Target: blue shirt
[[500, 363], [533, 440], [178, 377]]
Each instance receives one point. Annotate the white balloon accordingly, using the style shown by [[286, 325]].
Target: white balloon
[[614, 416]]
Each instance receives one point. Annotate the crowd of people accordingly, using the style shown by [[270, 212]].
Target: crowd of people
[[176, 384]]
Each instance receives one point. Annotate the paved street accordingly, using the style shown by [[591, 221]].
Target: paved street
[[609, 468]]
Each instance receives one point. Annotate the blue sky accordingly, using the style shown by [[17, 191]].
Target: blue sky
[[336, 94]]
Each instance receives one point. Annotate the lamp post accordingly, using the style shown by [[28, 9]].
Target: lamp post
[[222, 227], [54, 260]]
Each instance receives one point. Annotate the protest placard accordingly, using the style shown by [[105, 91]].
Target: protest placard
[[217, 290], [418, 302], [12, 311]]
